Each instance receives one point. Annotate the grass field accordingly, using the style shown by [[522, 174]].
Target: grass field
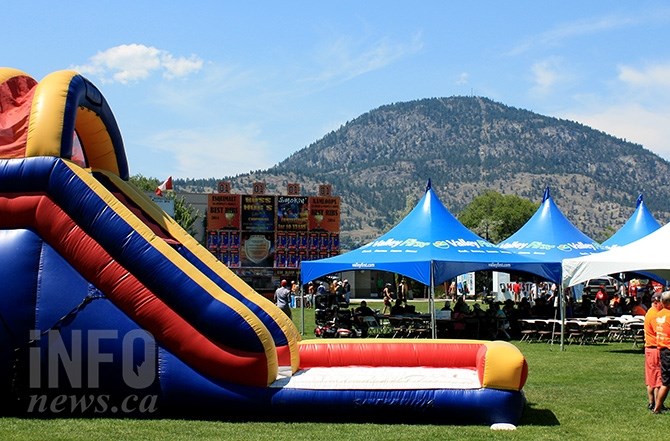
[[593, 392]]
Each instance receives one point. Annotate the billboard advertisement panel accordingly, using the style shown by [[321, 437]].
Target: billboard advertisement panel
[[258, 213], [223, 212], [324, 213], [292, 213]]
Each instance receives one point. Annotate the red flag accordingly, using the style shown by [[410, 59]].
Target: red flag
[[165, 186]]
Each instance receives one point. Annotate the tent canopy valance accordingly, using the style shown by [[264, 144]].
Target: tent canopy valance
[[646, 255], [430, 241]]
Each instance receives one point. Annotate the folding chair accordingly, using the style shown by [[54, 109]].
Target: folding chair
[[574, 332], [372, 327], [528, 330], [417, 327], [398, 327], [637, 333], [615, 330], [544, 330]]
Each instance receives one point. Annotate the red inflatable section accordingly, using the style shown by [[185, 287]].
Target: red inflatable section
[[16, 96], [498, 364], [129, 294], [394, 354]]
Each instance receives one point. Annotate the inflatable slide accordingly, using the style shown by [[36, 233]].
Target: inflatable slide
[[109, 308]]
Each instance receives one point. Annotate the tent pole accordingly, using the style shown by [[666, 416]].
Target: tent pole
[[431, 304], [302, 310], [562, 306]]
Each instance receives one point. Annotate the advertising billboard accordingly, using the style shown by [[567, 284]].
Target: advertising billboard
[[324, 213], [292, 213], [223, 212], [258, 213]]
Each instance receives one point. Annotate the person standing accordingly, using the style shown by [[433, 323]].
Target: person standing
[[663, 344], [652, 361], [321, 298], [283, 298], [347, 291], [388, 299], [340, 293], [452, 291], [295, 293], [533, 292], [310, 295], [516, 288], [401, 293], [623, 291], [602, 295]]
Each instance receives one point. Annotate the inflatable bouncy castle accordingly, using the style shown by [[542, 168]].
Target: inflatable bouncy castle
[[109, 308]]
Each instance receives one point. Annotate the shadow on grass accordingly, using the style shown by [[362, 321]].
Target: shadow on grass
[[639, 350], [538, 417]]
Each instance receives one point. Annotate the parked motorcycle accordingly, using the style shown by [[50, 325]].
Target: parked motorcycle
[[335, 323]]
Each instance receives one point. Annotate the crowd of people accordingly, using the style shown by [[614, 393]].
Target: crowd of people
[[540, 301], [319, 294]]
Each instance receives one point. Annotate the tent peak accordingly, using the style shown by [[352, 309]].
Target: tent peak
[[546, 194], [428, 185], [640, 199]]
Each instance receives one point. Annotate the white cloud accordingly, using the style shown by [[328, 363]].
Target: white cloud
[[463, 79], [180, 67], [557, 35], [134, 62], [632, 122], [652, 76], [212, 152], [546, 75], [218, 91], [635, 107], [345, 58]]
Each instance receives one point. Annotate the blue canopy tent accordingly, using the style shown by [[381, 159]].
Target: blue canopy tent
[[550, 237], [430, 246], [637, 226]]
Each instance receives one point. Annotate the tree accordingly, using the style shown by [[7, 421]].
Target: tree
[[495, 217], [605, 234], [144, 184], [184, 214]]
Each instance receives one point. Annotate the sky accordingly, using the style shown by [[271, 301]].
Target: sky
[[204, 89]]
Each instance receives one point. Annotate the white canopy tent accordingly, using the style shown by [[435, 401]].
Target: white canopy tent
[[650, 254]]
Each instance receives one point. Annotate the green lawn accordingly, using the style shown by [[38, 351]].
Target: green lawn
[[591, 392]]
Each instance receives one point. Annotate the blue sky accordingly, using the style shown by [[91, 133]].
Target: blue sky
[[217, 88]]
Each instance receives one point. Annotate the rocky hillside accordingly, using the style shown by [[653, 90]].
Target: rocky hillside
[[379, 164]]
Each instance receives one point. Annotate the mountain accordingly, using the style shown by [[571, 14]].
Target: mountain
[[379, 164]]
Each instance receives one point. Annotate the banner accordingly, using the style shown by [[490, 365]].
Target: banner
[[292, 213], [223, 212], [324, 214], [258, 213]]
